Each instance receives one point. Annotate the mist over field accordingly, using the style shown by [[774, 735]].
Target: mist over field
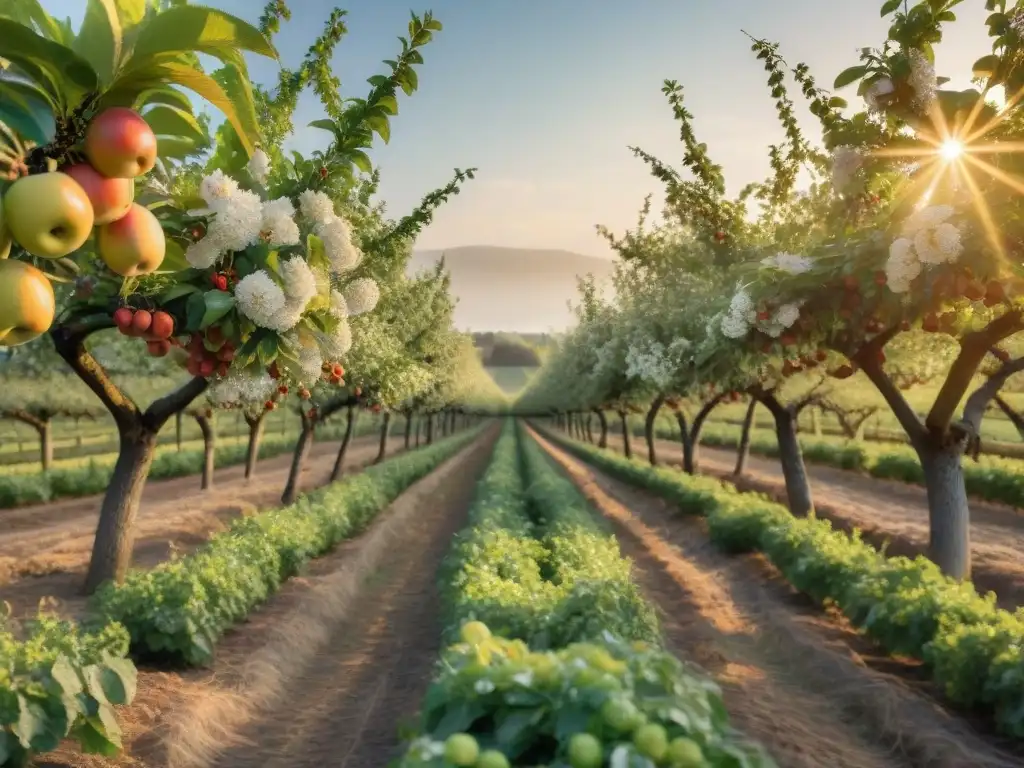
[[513, 289]]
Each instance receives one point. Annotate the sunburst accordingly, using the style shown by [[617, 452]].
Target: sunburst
[[955, 153]]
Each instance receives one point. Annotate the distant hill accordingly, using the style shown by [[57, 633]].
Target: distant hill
[[513, 289]]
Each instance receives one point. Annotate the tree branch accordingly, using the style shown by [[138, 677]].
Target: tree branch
[[69, 341], [977, 403], [906, 416], [973, 348], [1011, 413], [22, 415], [162, 409]]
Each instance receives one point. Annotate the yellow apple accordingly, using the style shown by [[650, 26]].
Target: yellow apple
[[120, 144], [5, 237], [27, 304], [48, 214], [110, 198], [132, 245]]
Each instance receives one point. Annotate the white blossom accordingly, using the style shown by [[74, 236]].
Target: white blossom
[[278, 224], [938, 245], [299, 281], [734, 327], [202, 254], [922, 80], [338, 343], [237, 222], [902, 266], [789, 262], [337, 239], [786, 315], [339, 307], [260, 299], [846, 161], [243, 387], [926, 218], [361, 296], [316, 207], [876, 91], [259, 167], [217, 186]]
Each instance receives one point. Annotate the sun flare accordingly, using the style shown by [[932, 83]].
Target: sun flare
[[951, 149]]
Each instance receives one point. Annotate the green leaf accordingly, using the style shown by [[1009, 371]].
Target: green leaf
[[23, 46], [65, 676], [849, 75], [889, 6], [268, 349], [176, 291], [170, 121], [986, 66], [836, 102], [130, 12], [316, 254], [187, 28], [218, 304], [361, 160], [27, 111], [127, 88], [379, 81], [379, 124], [32, 15], [388, 103], [325, 124], [195, 308], [119, 680], [99, 39], [174, 261], [171, 97]]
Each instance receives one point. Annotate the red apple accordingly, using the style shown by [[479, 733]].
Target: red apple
[[134, 244], [120, 144], [123, 319], [141, 321], [158, 347], [162, 326], [110, 198]]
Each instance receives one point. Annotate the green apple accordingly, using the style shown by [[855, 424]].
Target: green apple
[[48, 214], [27, 304], [134, 244], [6, 241]]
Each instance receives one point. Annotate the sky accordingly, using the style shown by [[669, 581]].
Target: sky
[[544, 98]]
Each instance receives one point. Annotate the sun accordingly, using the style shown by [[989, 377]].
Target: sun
[[951, 149]]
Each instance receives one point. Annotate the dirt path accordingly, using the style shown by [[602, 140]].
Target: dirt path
[[806, 686], [326, 672], [886, 511], [50, 559]]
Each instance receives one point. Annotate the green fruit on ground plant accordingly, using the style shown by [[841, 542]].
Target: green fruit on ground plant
[[620, 714], [48, 214], [585, 751], [685, 753], [462, 750], [651, 741], [475, 632], [492, 758]]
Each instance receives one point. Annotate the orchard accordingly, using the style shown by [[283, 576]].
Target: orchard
[[682, 544]]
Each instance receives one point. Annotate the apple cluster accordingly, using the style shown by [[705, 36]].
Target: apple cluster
[[52, 214]]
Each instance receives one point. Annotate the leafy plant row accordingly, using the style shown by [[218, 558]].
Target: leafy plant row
[[40, 487], [57, 682], [991, 478], [177, 611], [573, 674], [973, 650]]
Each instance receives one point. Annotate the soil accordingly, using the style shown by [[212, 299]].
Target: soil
[[889, 513], [327, 671], [794, 677], [44, 550]]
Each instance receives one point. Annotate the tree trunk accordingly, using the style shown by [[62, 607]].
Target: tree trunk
[[603, 421], [45, 444], [743, 452], [649, 436], [177, 429], [589, 428], [252, 451], [385, 427], [798, 488], [626, 447], [339, 461], [430, 428], [949, 517], [451, 428], [408, 429], [689, 460], [209, 449], [302, 448], [115, 533], [419, 425], [816, 422]]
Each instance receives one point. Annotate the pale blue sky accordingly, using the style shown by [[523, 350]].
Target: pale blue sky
[[544, 96]]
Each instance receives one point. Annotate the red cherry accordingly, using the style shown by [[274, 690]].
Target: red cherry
[[821, 355], [221, 283], [273, 372], [881, 278], [323, 173], [283, 389], [141, 321], [222, 369], [270, 405], [158, 347], [226, 353], [304, 393], [207, 367], [123, 319]]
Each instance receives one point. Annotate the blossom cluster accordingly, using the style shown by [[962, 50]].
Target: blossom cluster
[[243, 387], [654, 362], [742, 316], [788, 262], [927, 238], [846, 162]]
